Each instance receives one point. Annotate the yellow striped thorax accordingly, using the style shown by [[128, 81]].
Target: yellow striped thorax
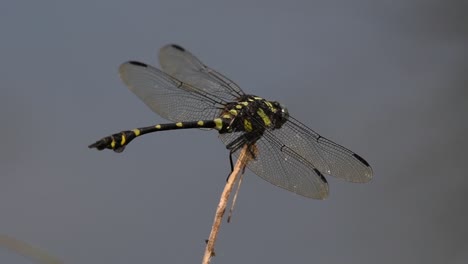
[[251, 114]]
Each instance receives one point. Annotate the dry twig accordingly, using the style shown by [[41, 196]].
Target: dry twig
[[27, 250], [238, 170]]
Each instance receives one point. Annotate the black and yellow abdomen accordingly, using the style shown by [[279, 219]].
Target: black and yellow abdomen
[[118, 141]]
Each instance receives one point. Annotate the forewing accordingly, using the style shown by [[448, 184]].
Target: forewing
[[325, 155], [167, 96], [181, 64], [283, 167]]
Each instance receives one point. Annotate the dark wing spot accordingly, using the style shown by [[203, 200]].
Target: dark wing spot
[[175, 46], [363, 161], [137, 63], [320, 175]]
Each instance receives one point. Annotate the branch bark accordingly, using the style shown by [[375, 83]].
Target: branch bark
[[236, 172]]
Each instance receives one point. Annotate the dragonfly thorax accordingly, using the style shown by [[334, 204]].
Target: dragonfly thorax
[[253, 114]]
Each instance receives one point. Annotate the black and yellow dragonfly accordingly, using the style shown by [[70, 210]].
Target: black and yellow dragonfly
[[284, 151]]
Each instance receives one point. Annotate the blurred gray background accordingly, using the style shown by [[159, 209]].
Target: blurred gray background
[[386, 79]]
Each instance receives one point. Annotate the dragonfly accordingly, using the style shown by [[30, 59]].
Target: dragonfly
[[284, 151]]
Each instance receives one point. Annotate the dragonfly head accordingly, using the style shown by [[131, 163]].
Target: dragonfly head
[[281, 115], [284, 113]]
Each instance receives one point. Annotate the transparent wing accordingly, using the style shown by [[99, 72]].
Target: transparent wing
[[167, 96], [180, 63], [294, 157], [325, 155], [283, 167]]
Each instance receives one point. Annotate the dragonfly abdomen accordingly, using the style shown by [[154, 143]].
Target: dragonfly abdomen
[[118, 141]]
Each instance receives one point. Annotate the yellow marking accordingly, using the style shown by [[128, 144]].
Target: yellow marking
[[250, 100], [238, 106], [218, 123], [122, 142], [113, 143], [179, 124], [227, 116], [264, 117], [247, 125], [158, 126], [272, 108], [200, 123], [233, 112], [245, 103], [258, 98], [137, 132]]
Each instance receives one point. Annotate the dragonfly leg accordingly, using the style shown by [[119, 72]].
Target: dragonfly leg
[[232, 164]]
